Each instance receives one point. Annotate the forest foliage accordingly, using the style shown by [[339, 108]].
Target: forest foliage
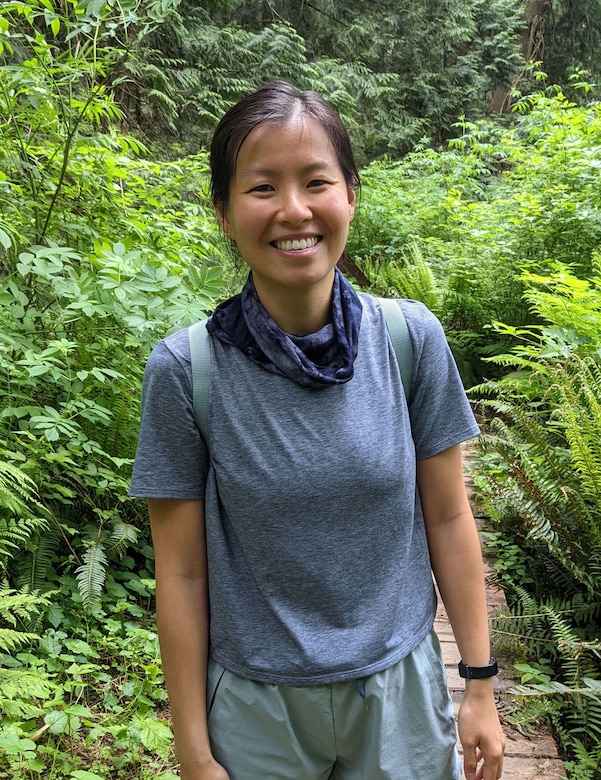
[[108, 242]]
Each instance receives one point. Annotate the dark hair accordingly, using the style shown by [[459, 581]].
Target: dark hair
[[276, 102]]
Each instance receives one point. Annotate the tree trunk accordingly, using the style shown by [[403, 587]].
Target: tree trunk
[[350, 268], [532, 46], [533, 40]]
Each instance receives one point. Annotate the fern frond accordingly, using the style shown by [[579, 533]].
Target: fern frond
[[18, 503], [578, 392], [123, 535], [541, 490], [525, 625], [535, 484], [584, 702], [18, 603], [12, 640], [33, 565], [532, 712], [91, 575], [414, 279], [16, 532], [590, 688], [17, 490], [16, 606], [19, 690], [577, 656]]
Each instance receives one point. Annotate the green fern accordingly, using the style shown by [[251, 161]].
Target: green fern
[[18, 504], [589, 688], [579, 658], [91, 574], [34, 565], [524, 626], [22, 690], [16, 488], [535, 489], [12, 640], [587, 763], [578, 408], [573, 700], [532, 712], [412, 278], [122, 536], [15, 607]]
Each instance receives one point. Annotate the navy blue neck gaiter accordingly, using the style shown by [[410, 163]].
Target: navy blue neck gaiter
[[317, 360]]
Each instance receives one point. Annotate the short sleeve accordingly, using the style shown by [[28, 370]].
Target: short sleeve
[[171, 457], [441, 416]]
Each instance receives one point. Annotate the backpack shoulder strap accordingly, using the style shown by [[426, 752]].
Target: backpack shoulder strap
[[401, 342], [200, 356]]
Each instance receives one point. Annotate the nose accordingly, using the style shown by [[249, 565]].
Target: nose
[[294, 206]]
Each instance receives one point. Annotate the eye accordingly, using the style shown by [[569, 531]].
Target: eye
[[317, 183], [262, 188]]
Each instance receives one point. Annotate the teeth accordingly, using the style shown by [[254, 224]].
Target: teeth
[[302, 243]]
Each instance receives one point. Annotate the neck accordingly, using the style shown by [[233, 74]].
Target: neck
[[297, 311]]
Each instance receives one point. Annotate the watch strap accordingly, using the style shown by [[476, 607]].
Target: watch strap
[[478, 672]]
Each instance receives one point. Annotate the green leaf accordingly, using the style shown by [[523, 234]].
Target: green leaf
[[35, 765], [50, 643], [81, 647], [38, 370], [57, 722], [14, 745], [155, 736]]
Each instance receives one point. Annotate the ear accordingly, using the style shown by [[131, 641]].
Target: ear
[[352, 199], [224, 222]]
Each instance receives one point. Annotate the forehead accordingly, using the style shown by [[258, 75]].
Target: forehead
[[299, 141]]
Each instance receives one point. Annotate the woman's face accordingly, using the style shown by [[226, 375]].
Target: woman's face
[[289, 208]]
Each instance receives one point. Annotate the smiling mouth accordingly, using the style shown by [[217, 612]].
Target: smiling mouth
[[300, 243]]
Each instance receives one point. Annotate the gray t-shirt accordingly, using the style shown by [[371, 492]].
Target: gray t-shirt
[[318, 562]]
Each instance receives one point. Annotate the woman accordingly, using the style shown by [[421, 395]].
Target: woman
[[294, 564]]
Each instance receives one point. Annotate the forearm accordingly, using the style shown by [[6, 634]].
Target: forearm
[[457, 565], [460, 578], [455, 552], [183, 623]]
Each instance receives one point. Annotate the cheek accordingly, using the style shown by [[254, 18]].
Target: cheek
[[248, 215], [343, 207], [344, 215]]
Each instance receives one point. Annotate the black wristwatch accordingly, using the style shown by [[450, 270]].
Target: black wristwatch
[[478, 672]]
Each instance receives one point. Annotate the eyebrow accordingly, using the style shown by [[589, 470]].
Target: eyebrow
[[321, 165]]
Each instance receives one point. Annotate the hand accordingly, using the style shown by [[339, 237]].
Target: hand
[[480, 733], [210, 770]]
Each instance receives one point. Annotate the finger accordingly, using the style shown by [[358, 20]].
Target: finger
[[493, 769], [470, 762]]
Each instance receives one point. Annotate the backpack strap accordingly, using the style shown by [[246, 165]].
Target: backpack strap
[[200, 356], [401, 342]]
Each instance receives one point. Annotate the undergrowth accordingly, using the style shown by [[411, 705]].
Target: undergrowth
[[539, 480], [86, 700]]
